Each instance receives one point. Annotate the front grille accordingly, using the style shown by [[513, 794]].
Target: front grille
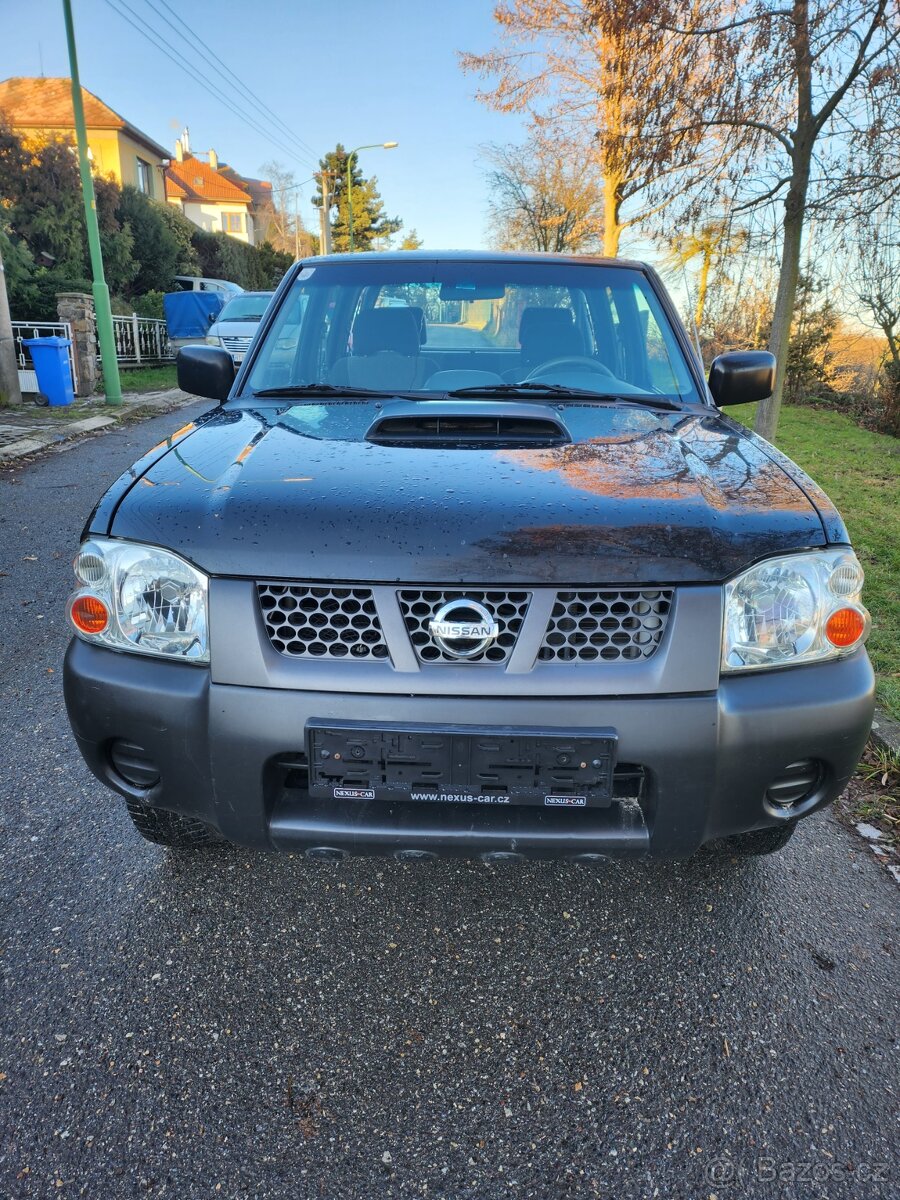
[[420, 606], [305, 621], [316, 621], [609, 625], [237, 345]]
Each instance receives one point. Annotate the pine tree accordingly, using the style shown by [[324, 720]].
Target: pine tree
[[369, 218]]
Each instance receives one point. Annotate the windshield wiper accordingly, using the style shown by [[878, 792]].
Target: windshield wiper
[[319, 389], [530, 388], [534, 388]]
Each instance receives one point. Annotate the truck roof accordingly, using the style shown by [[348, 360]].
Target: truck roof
[[495, 256]]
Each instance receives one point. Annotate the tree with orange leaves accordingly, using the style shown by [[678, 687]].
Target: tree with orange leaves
[[607, 86]]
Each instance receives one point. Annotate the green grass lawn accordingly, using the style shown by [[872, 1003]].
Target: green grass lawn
[[148, 379], [860, 471]]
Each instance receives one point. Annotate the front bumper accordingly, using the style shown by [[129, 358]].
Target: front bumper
[[231, 756]]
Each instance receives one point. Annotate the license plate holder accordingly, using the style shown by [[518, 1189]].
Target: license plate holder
[[461, 764]]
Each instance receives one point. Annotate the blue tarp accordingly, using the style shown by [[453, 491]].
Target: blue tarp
[[190, 314]]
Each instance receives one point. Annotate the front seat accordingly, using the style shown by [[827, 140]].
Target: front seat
[[385, 354], [546, 333]]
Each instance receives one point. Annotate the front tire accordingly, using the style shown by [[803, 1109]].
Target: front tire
[[171, 829], [759, 841]]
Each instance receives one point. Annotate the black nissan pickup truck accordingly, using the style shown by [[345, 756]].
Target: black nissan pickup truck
[[468, 560]]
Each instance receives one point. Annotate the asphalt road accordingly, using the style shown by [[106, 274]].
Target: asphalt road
[[249, 1025]]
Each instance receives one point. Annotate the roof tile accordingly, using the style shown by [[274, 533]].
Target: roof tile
[[194, 179], [32, 103]]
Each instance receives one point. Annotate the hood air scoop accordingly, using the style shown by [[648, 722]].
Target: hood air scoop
[[472, 423]]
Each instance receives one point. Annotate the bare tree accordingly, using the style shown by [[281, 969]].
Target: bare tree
[[280, 221], [600, 75], [874, 280], [540, 199], [875, 276], [806, 87]]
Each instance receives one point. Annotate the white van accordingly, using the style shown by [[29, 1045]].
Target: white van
[[197, 283]]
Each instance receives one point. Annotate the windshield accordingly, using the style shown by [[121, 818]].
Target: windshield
[[246, 308], [438, 327]]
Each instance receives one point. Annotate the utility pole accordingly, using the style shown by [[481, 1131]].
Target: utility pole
[[9, 367], [102, 308], [325, 216]]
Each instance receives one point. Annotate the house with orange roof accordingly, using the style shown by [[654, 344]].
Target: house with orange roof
[[40, 109], [213, 197]]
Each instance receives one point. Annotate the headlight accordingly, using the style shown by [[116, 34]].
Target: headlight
[[798, 608], [140, 598], [212, 340]]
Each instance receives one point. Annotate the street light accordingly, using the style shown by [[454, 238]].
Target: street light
[[371, 146]]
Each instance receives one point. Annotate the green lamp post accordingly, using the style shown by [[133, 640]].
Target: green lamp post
[[102, 308], [350, 157]]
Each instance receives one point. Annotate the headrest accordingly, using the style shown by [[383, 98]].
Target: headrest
[[378, 329], [542, 323], [546, 333]]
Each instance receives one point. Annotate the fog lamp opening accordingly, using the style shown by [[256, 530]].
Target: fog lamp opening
[[133, 763], [797, 783]]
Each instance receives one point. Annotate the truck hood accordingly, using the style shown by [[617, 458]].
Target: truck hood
[[297, 492]]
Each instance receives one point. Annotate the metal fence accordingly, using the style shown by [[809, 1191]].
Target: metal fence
[[141, 340], [34, 329]]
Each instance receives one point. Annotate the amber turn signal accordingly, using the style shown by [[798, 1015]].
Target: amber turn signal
[[845, 627], [89, 614]]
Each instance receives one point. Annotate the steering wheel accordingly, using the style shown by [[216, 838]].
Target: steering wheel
[[575, 360]]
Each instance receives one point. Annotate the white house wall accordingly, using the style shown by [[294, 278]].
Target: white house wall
[[209, 217]]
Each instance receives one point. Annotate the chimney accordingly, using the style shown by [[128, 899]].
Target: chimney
[[186, 141], [179, 151], [214, 160]]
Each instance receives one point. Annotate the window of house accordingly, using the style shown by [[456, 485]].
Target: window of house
[[144, 177], [233, 222]]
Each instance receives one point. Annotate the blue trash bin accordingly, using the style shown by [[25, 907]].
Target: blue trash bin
[[50, 356]]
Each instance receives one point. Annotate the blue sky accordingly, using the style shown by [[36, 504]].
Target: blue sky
[[343, 70]]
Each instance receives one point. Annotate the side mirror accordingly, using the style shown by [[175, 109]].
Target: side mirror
[[205, 371], [742, 377]]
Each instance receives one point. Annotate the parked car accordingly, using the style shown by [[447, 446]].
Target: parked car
[[485, 572], [189, 316], [237, 323], [200, 283]]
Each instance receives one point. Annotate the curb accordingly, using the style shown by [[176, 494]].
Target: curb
[[43, 440], [136, 407], [885, 732]]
